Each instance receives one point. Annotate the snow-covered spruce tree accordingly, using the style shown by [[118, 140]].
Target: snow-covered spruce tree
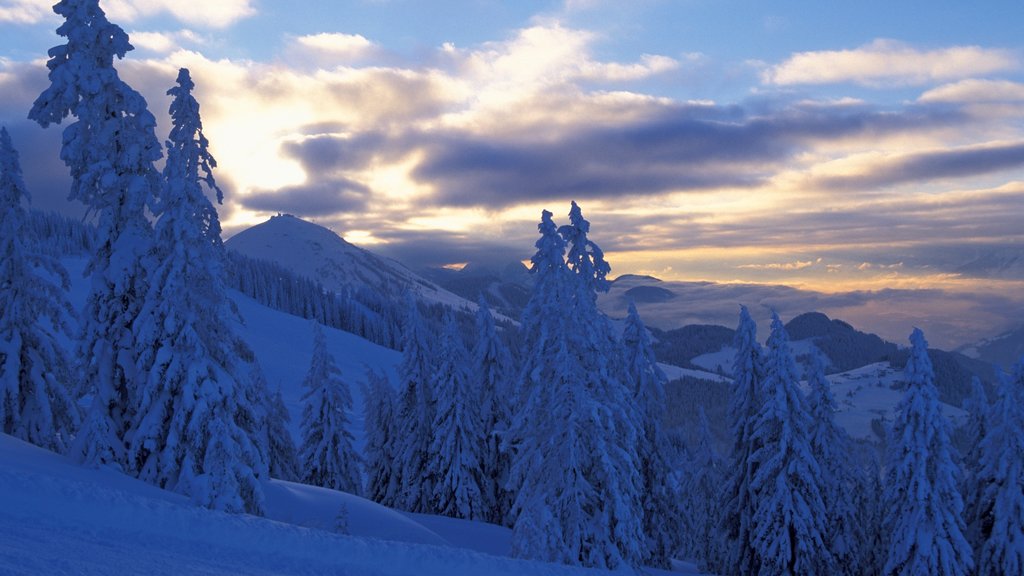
[[790, 523], [976, 427], [838, 480], [458, 432], [922, 501], [415, 416], [327, 457], [1000, 477], [575, 469], [379, 421], [699, 495], [282, 456], [193, 383], [662, 519], [110, 151], [748, 369], [35, 403], [490, 368]]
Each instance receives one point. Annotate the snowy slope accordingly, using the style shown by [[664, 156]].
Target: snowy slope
[[57, 518], [315, 252]]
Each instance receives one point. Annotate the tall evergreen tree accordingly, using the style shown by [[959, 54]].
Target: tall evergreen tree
[[789, 527], [575, 470], [110, 151], [747, 395], [1000, 478], [922, 500], [192, 380], [662, 520], [380, 428], [35, 403], [976, 428], [415, 417], [700, 498], [838, 480], [491, 366], [458, 432], [327, 457]]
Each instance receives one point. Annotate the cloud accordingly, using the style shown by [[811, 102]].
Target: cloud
[[337, 46], [317, 199], [200, 13], [888, 62], [928, 166], [974, 90], [165, 42], [798, 265], [27, 11]]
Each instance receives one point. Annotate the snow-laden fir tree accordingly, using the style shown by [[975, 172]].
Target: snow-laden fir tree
[[1000, 478], [574, 437], [790, 523], [491, 364], [838, 479], [699, 497], [747, 395], [35, 402], [458, 432], [282, 456], [922, 499], [975, 428], [379, 453], [196, 376], [110, 151], [327, 457], [415, 416], [662, 518]]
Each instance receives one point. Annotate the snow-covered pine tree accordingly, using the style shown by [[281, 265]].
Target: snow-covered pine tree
[[379, 421], [35, 402], [790, 523], [975, 429], [1000, 477], [662, 520], [282, 456], [748, 372], [922, 498], [458, 432], [575, 469], [838, 480], [699, 495], [415, 415], [194, 382], [490, 368], [327, 457], [110, 151]]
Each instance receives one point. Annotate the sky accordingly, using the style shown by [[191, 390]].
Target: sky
[[856, 147]]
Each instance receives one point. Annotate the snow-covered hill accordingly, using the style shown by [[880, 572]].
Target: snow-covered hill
[[315, 252], [1003, 350]]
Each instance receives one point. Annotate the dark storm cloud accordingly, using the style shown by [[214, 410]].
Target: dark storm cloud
[[932, 166], [322, 198], [677, 151]]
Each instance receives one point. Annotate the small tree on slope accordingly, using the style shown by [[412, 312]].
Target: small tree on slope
[[662, 520], [838, 480], [327, 457], [381, 462], [35, 404], [700, 494], [790, 521], [738, 503], [922, 500], [491, 366], [282, 456], [193, 385], [978, 419], [110, 151], [458, 432], [1000, 477]]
